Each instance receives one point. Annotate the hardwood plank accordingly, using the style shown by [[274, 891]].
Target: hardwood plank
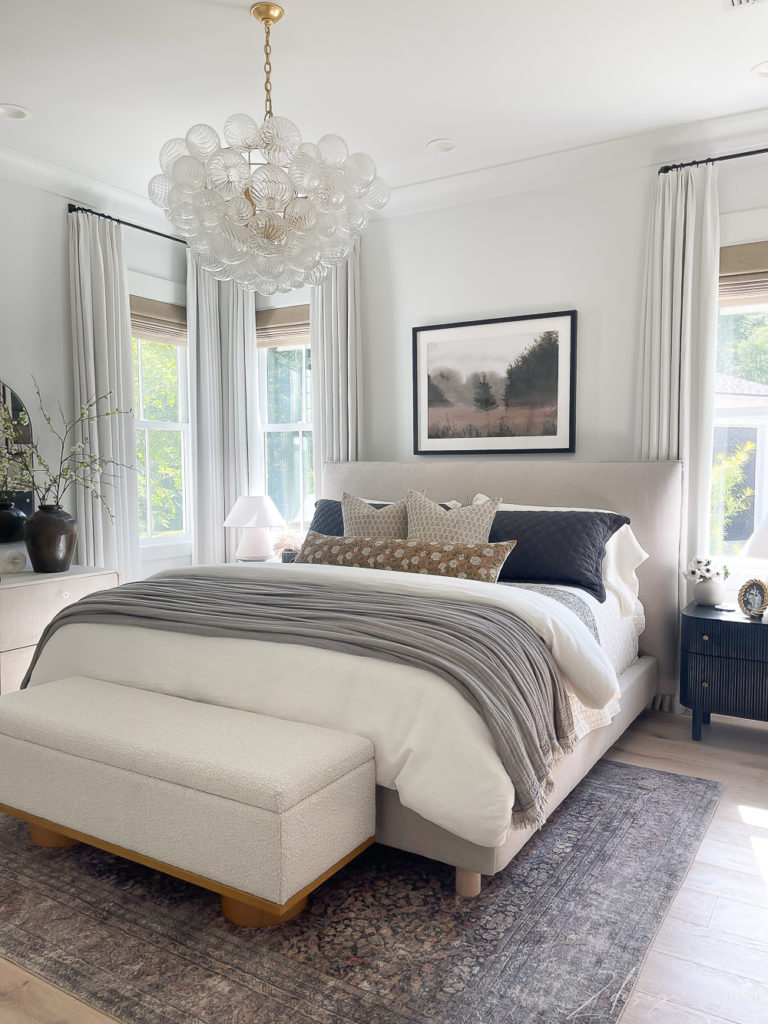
[[712, 948], [751, 858], [736, 885], [643, 1008], [693, 906], [718, 993], [741, 920], [25, 999]]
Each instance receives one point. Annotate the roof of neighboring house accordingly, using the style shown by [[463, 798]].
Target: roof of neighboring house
[[725, 384]]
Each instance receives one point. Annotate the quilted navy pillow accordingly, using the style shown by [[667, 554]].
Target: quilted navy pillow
[[557, 547]]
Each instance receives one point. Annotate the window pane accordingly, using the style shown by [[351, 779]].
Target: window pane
[[166, 471], [285, 385], [739, 490], [141, 479], [733, 488], [160, 381], [283, 473]]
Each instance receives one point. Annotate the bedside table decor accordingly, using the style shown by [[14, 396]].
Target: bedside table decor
[[708, 587], [753, 598], [723, 665]]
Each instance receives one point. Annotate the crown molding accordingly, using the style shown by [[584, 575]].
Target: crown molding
[[698, 140], [79, 188], [695, 141]]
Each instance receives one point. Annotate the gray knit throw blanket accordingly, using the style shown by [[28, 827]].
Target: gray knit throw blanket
[[496, 661]]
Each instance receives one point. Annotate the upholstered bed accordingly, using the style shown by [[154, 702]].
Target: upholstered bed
[[315, 686], [650, 493]]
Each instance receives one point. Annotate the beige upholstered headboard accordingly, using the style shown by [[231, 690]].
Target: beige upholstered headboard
[[650, 493]]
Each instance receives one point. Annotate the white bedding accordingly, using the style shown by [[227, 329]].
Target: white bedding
[[431, 745]]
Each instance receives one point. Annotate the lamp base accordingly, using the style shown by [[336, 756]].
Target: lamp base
[[255, 545]]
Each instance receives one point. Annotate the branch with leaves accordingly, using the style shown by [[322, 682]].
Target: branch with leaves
[[23, 466]]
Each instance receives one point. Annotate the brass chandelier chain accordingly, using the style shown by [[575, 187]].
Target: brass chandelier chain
[[267, 71]]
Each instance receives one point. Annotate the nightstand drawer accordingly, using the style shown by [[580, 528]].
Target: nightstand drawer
[[746, 640], [726, 686], [26, 610]]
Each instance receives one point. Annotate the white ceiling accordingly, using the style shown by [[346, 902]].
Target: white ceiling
[[109, 82]]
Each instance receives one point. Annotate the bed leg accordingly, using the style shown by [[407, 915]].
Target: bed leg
[[467, 882]]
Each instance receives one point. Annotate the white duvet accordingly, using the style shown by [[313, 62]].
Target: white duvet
[[431, 745]]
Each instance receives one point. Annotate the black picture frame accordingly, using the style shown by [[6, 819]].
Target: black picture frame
[[450, 349]]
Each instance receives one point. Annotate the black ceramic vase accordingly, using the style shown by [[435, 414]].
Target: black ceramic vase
[[50, 534], [12, 521]]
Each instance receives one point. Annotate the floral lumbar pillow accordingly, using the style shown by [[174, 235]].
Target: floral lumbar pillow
[[470, 524], [443, 558]]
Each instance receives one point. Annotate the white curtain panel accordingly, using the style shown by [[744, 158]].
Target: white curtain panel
[[679, 332], [335, 337], [679, 347], [103, 362], [227, 458]]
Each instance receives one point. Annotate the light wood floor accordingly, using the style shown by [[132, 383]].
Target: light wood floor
[[709, 961]]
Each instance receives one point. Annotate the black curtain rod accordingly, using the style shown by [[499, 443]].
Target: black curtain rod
[[712, 160], [72, 208]]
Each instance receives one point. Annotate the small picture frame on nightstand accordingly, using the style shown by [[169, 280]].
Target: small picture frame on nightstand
[[753, 598]]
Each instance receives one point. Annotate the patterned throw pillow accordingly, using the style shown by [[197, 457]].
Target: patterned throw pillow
[[361, 519], [470, 524], [465, 561]]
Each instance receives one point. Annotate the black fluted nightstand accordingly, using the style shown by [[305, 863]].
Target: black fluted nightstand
[[723, 665]]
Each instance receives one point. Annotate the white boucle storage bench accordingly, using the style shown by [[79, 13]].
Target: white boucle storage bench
[[258, 809]]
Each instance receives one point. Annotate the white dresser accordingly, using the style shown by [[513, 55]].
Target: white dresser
[[28, 602]]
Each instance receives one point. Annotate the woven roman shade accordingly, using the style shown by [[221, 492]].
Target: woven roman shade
[[282, 328], [158, 321], [744, 274]]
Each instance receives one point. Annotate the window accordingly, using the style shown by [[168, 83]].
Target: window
[[162, 420], [740, 449], [286, 411]]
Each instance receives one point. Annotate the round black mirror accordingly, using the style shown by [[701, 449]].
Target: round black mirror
[[15, 504]]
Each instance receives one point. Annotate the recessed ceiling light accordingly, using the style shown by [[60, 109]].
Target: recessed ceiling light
[[13, 111], [761, 69], [441, 145]]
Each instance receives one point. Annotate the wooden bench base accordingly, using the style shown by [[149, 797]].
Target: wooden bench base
[[241, 908]]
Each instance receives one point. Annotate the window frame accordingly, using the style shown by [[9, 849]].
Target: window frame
[[159, 329], [302, 426], [744, 284]]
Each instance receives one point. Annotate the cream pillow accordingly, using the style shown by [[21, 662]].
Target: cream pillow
[[470, 524], [361, 519]]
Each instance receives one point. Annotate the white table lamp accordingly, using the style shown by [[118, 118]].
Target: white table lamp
[[255, 515]]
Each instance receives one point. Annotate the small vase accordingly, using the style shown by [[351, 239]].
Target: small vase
[[50, 534], [709, 592], [11, 523]]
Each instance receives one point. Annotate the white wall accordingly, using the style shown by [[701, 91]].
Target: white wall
[[577, 246], [573, 245], [35, 334]]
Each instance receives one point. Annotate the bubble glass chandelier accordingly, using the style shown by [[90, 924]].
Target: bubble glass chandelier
[[262, 208]]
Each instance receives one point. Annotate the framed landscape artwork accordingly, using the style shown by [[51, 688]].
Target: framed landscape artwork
[[503, 385]]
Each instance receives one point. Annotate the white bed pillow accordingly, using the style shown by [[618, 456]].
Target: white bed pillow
[[623, 554]]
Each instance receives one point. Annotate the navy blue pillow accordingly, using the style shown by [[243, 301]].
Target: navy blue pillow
[[557, 547]]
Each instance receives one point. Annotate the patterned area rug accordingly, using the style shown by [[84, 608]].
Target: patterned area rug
[[557, 937]]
